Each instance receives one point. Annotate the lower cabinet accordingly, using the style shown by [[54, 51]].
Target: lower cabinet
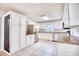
[[67, 49], [29, 40]]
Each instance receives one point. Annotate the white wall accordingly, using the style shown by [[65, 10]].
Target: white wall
[[0, 32], [49, 36], [1, 14], [56, 25]]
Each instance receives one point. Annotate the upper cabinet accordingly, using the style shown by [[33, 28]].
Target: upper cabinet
[[74, 14], [15, 18], [71, 15], [65, 16]]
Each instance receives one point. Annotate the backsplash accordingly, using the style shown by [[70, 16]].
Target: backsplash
[[75, 32]]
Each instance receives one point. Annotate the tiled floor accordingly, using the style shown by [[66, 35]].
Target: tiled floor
[[41, 48]]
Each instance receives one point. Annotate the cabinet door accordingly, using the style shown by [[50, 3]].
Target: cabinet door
[[22, 36], [28, 40], [22, 31], [74, 14], [14, 38], [32, 38], [23, 20], [15, 18], [67, 49], [65, 16]]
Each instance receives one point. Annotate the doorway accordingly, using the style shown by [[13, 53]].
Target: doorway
[[6, 33]]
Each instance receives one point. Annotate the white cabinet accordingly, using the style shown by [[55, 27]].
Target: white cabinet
[[15, 18], [66, 16], [71, 15], [22, 37], [74, 13], [17, 28], [67, 49], [23, 20], [22, 31], [14, 31], [0, 32], [14, 38], [29, 39]]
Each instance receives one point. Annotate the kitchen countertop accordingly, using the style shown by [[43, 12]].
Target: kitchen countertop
[[53, 32]]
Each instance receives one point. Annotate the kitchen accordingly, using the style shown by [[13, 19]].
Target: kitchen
[[28, 25]]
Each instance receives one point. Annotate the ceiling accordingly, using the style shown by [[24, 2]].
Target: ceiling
[[34, 10]]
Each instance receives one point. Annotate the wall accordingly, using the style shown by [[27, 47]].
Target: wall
[[1, 14], [49, 36], [56, 25], [0, 31]]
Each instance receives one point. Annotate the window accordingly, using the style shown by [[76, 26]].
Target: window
[[50, 28]]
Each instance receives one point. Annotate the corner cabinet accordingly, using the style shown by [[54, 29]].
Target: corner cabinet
[[16, 31], [71, 15]]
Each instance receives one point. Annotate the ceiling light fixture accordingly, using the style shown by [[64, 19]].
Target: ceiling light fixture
[[45, 17]]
